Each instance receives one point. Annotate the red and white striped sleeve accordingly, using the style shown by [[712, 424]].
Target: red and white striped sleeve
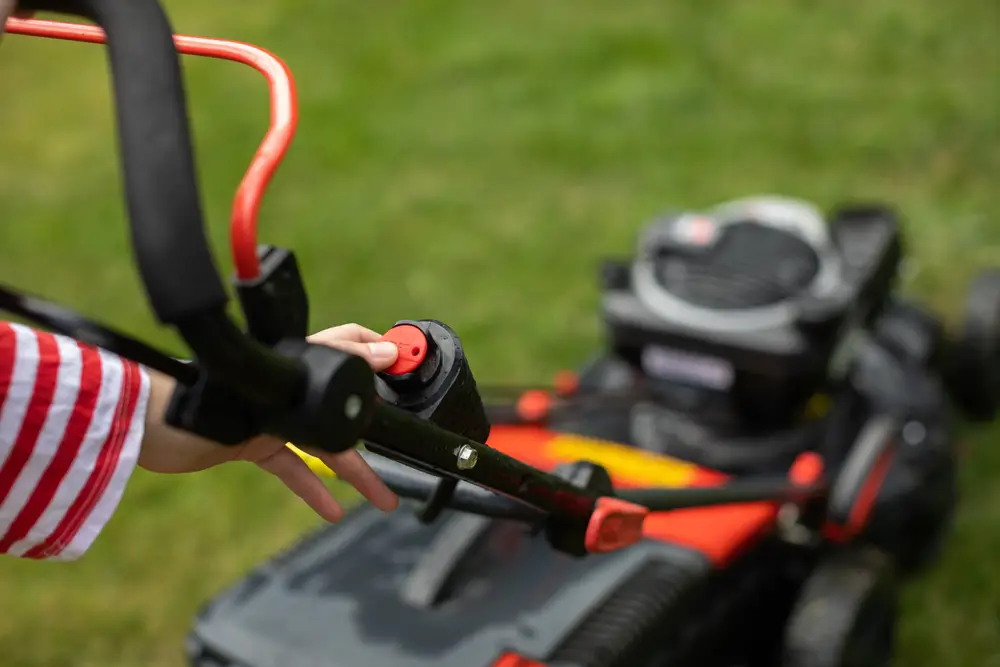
[[71, 422]]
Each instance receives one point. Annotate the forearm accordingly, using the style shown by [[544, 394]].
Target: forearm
[[74, 423], [169, 450], [76, 420], [6, 9], [71, 428], [159, 437]]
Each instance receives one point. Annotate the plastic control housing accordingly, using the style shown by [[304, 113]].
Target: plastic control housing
[[441, 387]]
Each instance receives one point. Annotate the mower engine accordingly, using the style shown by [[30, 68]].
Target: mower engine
[[746, 311], [762, 329]]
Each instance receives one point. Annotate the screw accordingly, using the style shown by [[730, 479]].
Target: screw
[[914, 433], [790, 526], [352, 406], [466, 457]]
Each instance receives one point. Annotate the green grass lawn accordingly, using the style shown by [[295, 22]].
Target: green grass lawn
[[471, 162]]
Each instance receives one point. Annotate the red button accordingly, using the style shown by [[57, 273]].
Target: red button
[[412, 346]]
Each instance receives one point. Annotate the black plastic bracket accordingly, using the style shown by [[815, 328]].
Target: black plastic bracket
[[567, 535], [442, 389], [338, 402], [439, 500], [275, 303], [212, 411]]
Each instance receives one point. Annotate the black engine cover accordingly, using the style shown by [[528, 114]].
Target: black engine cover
[[751, 303], [337, 599]]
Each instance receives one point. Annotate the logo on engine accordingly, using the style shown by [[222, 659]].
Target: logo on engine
[[696, 230], [663, 363]]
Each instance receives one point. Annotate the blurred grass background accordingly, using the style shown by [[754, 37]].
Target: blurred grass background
[[470, 162]]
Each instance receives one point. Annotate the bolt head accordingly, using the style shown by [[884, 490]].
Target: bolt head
[[914, 433], [466, 458], [352, 406]]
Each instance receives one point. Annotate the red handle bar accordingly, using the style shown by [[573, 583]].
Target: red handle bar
[[272, 149]]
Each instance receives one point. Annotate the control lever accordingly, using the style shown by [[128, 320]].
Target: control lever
[[432, 378]]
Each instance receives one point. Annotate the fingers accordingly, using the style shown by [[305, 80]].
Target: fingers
[[346, 332], [351, 468], [301, 481], [361, 342], [378, 355]]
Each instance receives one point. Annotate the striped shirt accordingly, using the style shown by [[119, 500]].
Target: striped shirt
[[71, 424]]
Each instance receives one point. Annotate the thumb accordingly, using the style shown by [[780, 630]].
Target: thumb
[[381, 354]]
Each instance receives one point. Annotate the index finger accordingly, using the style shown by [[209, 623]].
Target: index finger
[[346, 332], [351, 468]]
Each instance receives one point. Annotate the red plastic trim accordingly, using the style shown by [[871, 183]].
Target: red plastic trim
[[533, 406], [284, 118], [515, 660], [807, 469], [864, 503], [615, 524], [868, 493]]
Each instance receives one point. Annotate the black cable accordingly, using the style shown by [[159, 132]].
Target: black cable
[[740, 491], [67, 322]]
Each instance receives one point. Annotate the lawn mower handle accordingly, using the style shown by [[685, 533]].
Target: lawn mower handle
[[186, 291], [167, 229], [311, 386], [801, 486]]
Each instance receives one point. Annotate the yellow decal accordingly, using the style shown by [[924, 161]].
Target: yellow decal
[[314, 463], [818, 406], [624, 463]]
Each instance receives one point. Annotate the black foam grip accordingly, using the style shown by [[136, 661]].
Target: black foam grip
[[161, 189]]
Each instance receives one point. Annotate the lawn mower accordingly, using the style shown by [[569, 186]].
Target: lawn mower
[[741, 479]]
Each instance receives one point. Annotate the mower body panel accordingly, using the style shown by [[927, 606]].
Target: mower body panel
[[352, 595], [707, 587], [338, 599]]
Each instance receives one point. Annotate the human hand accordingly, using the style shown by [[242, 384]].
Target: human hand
[[168, 450], [7, 8]]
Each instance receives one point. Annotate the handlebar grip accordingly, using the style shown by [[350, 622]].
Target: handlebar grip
[[161, 188]]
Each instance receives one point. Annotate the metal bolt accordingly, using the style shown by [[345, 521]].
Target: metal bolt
[[790, 527], [352, 406], [914, 433], [466, 457]]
